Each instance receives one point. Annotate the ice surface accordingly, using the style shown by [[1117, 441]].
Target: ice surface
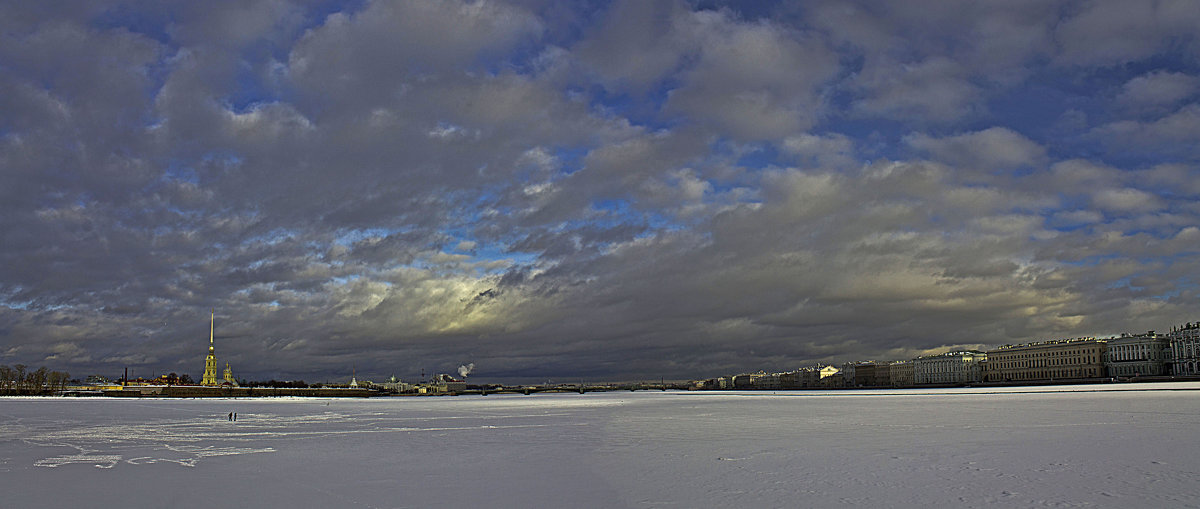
[[1105, 446]]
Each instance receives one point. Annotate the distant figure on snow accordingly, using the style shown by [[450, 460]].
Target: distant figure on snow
[[231, 416]]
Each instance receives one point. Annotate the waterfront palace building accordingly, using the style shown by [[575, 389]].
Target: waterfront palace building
[[1138, 355], [948, 368], [1046, 360], [1185, 349]]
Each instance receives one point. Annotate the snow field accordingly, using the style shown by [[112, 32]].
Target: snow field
[[1081, 446]]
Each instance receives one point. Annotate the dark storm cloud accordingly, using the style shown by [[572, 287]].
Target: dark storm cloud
[[618, 190]]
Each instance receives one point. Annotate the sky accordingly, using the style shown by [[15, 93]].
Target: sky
[[589, 190]]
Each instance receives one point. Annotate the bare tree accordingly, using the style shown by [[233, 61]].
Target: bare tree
[[19, 376], [6, 379], [37, 380], [58, 380]]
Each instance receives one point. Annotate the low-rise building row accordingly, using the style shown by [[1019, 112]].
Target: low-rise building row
[[1127, 355]]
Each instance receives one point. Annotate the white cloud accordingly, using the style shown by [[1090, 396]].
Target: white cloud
[[992, 149], [1126, 200], [832, 150], [1163, 135], [1079, 174], [1159, 88], [935, 90]]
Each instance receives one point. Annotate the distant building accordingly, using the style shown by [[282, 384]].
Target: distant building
[[747, 380], [883, 374], [836, 380], [814, 376], [99, 380], [165, 379], [1046, 360], [847, 371], [864, 374], [1146, 354], [395, 385], [446, 383], [949, 368], [97, 383], [1185, 349], [902, 373], [827, 372], [229, 377], [768, 381]]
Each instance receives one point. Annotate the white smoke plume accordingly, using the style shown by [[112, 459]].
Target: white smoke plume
[[465, 370]]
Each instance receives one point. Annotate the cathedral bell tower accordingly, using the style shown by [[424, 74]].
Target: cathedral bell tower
[[210, 362]]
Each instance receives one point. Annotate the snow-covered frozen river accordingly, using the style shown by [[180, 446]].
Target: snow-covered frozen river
[[1026, 447]]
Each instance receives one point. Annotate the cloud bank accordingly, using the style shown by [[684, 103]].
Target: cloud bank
[[608, 191]]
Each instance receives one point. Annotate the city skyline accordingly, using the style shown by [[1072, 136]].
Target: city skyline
[[609, 190]]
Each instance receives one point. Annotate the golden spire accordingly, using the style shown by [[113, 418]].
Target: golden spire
[[210, 362]]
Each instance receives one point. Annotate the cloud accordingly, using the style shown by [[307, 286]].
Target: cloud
[[1162, 135], [1113, 32], [937, 90], [610, 191], [753, 81], [1126, 200], [638, 44], [396, 32], [1074, 218], [926, 64], [996, 148], [833, 150], [1159, 88], [749, 81]]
